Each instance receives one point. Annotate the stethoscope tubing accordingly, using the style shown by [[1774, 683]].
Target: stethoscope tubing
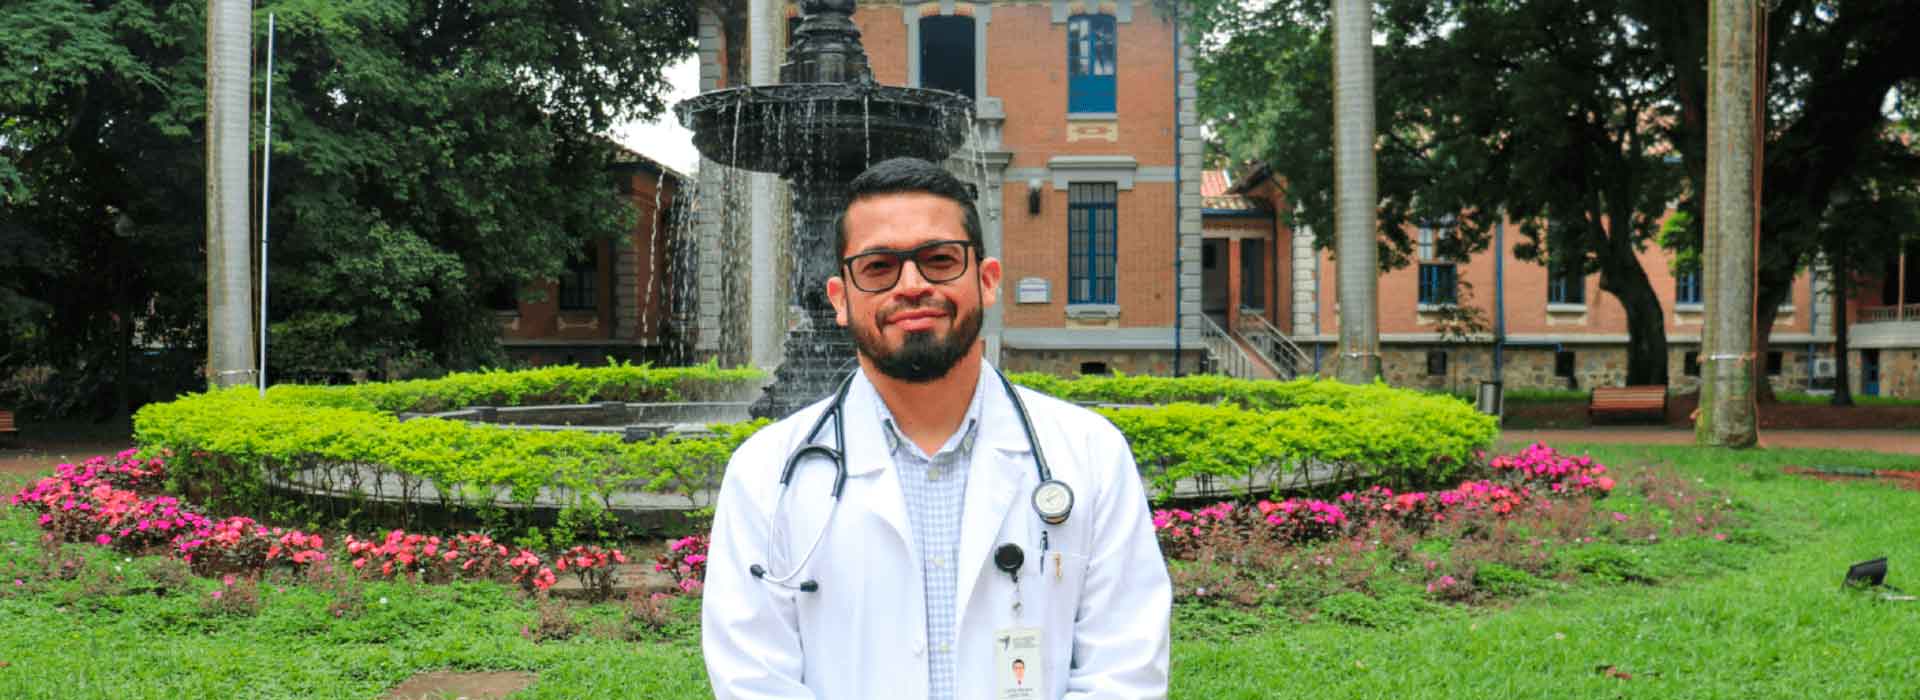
[[836, 412]]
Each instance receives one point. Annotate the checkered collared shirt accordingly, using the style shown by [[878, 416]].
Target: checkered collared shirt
[[935, 489]]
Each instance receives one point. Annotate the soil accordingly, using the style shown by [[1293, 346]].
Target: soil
[[1909, 480], [26, 457], [452, 685]]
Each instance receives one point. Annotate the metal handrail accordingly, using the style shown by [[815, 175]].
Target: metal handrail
[[1274, 347], [1223, 351]]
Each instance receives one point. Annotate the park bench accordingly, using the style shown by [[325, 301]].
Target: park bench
[[7, 429], [1628, 401]]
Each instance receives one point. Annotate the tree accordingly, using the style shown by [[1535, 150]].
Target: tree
[[425, 155], [1841, 84], [1545, 112], [1728, 415], [1568, 114]]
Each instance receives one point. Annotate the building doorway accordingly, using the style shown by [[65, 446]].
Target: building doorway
[[1870, 372]]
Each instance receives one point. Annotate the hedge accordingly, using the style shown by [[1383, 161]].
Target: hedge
[[231, 444]]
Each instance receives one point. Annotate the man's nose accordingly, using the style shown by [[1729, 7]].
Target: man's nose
[[912, 282]]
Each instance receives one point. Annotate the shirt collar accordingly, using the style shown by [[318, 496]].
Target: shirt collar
[[961, 439]]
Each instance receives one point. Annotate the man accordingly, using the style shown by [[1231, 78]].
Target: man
[[947, 555]]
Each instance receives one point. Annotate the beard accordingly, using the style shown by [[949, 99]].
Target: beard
[[923, 356]]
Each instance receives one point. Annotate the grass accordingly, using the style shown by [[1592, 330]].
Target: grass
[[1758, 617]]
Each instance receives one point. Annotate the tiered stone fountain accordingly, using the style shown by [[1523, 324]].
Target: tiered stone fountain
[[823, 124]]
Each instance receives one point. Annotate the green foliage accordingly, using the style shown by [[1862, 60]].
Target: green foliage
[[1255, 427], [1385, 612], [232, 443], [564, 384], [239, 443], [1502, 580], [424, 155], [1606, 562]]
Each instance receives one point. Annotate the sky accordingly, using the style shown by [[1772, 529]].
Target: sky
[[663, 139]]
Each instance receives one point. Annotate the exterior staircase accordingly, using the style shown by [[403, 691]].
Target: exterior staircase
[[1253, 349]]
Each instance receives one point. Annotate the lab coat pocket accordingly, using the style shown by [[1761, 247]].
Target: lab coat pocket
[[1062, 575]]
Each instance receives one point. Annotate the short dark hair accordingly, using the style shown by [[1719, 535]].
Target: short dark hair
[[898, 175]]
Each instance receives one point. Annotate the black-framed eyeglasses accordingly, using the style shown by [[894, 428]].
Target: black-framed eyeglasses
[[879, 270]]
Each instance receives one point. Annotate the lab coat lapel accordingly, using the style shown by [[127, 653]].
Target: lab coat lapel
[[867, 454], [995, 475]]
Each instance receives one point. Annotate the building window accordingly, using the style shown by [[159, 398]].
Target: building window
[[1436, 363], [1090, 64], [1094, 368], [577, 283], [1437, 283], [1690, 364], [504, 297], [1776, 363], [1438, 278], [946, 54], [1686, 287], [1563, 361], [1566, 283], [1253, 274], [1092, 238]]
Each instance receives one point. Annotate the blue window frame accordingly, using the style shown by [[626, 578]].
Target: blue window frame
[[1438, 283], [1090, 64], [1092, 238], [1686, 287]]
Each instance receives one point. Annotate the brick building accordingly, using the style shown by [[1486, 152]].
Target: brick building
[[1562, 332], [1086, 139], [613, 302]]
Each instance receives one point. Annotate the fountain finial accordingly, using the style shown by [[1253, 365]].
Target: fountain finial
[[826, 46]]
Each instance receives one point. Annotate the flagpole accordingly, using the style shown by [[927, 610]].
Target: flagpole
[[266, 163]]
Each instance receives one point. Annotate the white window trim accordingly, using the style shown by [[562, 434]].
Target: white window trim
[[982, 15]]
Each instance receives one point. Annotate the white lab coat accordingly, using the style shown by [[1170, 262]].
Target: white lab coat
[[1104, 612]]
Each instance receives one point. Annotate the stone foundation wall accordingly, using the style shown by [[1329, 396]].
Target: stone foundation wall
[[1068, 363]]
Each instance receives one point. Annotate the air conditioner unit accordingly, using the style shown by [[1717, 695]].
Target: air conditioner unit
[[1823, 367]]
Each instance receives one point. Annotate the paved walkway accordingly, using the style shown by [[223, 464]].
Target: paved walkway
[[1889, 441]]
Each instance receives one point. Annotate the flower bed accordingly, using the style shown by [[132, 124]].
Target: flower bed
[[1535, 519], [115, 503]]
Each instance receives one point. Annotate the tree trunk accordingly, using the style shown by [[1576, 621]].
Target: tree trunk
[[1733, 115], [1646, 321], [1355, 191], [1842, 388]]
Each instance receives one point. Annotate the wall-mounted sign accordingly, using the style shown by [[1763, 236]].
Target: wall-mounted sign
[[1032, 290]]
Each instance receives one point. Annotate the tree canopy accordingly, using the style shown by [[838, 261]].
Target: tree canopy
[[425, 155], [1582, 120]]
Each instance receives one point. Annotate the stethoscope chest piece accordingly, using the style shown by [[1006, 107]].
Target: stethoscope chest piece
[[1053, 501]]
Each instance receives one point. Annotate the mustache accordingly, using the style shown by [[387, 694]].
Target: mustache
[[928, 302]]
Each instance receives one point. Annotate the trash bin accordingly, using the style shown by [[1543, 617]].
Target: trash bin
[[1491, 399]]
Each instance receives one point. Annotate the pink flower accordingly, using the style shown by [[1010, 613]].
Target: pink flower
[[103, 540], [1619, 517], [216, 595]]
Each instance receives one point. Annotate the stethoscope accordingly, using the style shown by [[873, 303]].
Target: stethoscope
[[1052, 500]]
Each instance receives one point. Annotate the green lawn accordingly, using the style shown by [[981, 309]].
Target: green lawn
[[1759, 616]]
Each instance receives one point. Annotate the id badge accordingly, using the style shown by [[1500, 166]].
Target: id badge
[[1022, 671]]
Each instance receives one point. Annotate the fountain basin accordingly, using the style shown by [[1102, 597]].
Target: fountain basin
[[804, 131]]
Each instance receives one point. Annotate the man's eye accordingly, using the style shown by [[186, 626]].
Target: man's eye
[[941, 260], [876, 266]]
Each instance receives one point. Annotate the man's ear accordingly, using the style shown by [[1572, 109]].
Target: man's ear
[[837, 293], [989, 282]]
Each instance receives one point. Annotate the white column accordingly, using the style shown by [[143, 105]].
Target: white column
[[765, 333]]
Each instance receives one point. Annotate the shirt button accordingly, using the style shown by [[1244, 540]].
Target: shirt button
[[944, 648], [937, 562], [933, 474]]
